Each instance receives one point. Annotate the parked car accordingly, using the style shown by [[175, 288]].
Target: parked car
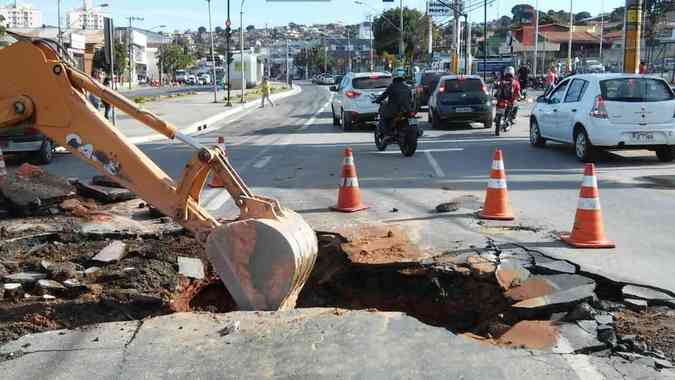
[[594, 66], [191, 79], [328, 79], [460, 98], [204, 79], [425, 83], [25, 139], [352, 103], [607, 111]]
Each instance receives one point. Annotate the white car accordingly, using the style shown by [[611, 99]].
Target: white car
[[607, 111], [352, 103]]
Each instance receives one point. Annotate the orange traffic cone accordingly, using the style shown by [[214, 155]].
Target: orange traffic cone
[[496, 205], [589, 230], [216, 182], [349, 194], [3, 169]]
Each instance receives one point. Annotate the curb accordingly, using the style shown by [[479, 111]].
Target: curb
[[202, 125]]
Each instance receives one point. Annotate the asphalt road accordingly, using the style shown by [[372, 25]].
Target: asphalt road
[[293, 152]]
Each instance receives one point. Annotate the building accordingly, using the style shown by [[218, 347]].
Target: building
[[21, 16], [86, 18], [144, 47]]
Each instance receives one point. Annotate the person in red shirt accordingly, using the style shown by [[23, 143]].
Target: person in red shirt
[[551, 78], [643, 68], [508, 90]]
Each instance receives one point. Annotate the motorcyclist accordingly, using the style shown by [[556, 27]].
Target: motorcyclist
[[508, 90], [400, 101]]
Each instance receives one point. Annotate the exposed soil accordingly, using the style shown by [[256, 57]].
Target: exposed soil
[[655, 328], [117, 294]]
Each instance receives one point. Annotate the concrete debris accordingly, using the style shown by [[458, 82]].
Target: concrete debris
[[520, 255], [12, 290], [607, 305], [447, 207], [93, 273], [635, 304], [576, 340], [104, 194], [34, 194], [114, 251], [560, 299], [191, 267], [64, 270], [481, 267], [653, 297], [606, 334], [542, 286], [48, 297], [25, 277], [70, 204], [72, 283], [102, 180], [582, 311], [130, 272], [231, 327], [562, 338], [590, 326], [511, 273], [555, 266], [662, 363], [50, 285], [604, 319], [633, 357]]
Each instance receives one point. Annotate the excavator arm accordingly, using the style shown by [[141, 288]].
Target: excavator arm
[[264, 258]]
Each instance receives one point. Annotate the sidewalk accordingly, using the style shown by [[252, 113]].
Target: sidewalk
[[190, 114]]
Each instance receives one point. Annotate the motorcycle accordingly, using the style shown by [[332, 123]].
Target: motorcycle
[[505, 116], [403, 131]]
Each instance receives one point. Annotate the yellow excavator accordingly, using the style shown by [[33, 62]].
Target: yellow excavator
[[264, 257]]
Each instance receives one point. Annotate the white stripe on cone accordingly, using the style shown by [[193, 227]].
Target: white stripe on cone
[[350, 182], [590, 181], [498, 165], [348, 161], [589, 204], [497, 183]]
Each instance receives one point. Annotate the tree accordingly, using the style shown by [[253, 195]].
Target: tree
[[581, 16], [173, 57], [250, 28], [120, 59], [219, 30], [522, 14], [201, 30], [387, 36]]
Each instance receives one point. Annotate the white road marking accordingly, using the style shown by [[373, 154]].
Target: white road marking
[[419, 150], [263, 161], [434, 164], [313, 118], [581, 364]]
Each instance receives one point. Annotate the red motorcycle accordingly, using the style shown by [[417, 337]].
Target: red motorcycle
[[505, 116]]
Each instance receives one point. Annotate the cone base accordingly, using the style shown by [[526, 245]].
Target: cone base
[[495, 216], [591, 244], [349, 209]]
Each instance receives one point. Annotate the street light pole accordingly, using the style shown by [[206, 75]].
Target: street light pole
[[349, 51], [228, 29], [129, 43], [569, 44], [401, 44], [241, 44], [59, 31], [485, 41], [536, 36], [602, 28], [213, 58], [372, 64]]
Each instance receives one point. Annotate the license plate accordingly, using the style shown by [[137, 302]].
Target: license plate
[[463, 109], [412, 121], [641, 136], [501, 111]]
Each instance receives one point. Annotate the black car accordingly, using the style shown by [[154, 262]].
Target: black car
[[425, 84], [27, 140], [460, 99]]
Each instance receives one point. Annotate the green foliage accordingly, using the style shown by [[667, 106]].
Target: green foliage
[[387, 35], [522, 14], [315, 57], [174, 57], [120, 59]]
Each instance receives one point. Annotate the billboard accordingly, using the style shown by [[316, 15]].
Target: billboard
[[365, 32], [439, 8]]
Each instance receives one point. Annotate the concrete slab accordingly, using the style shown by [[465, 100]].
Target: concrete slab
[[652, 296], [191, 267], [114, 251]]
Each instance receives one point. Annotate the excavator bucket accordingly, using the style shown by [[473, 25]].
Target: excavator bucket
[[264, 263]]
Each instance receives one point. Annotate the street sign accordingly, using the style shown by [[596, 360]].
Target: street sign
[[439, 8], [228, 23]]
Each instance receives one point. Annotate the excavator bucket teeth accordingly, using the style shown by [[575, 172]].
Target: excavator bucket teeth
[[264, 263]]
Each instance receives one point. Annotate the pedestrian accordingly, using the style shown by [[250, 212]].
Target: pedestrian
[[643, 68], [93, 99], [106, 105], [551, 79], [266, 87]]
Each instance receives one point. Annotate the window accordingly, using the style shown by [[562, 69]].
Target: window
[[368, 83], [576, 91], [557, 94], [635, 90], [463, 85]]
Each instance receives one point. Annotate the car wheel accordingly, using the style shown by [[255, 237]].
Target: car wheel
[[336, 120], [435, 123], [429, 115], [487, 124], [582, 146], [535, 135], [665, 154], [347, 123], [46, 153]]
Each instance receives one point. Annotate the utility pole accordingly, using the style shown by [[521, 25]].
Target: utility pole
[[325, 59], [602, 28], [430, 42], [401, 43], [467, 45], [536, 37], [631, 43], [349, 50], [228, 34], [372, 63], [59, 38], [129, 43], [241, 44], [457, 38], [485, 41], [213, 59], [288, 72], [569, 44]]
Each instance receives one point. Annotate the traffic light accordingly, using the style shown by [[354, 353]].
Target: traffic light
[[228, 32], [230, 57]]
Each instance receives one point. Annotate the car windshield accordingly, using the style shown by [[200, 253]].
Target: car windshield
[[368, 83], [429, 79], [463, 85], [635, 90]]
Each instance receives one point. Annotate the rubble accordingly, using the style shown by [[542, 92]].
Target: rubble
[[33, 192], [12, 290], [481, 267], [101, 180], [653, 297], [191, 267], [635, 304], [582, 311], [511, 273], [104, 194], [115, 251], [92, 273], [25, 277], [606, 334], [50, 285]]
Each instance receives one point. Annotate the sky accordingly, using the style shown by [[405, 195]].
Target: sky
[[181, 14]]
